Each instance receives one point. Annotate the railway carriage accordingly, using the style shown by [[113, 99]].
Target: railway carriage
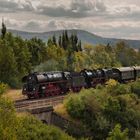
[[137, 72], [124, 74]]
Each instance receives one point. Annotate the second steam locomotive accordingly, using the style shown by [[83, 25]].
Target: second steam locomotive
[[55, 83]]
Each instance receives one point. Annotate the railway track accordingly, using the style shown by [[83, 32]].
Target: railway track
[[25, 104]]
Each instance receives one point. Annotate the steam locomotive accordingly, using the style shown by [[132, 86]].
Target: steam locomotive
[[45, 84]]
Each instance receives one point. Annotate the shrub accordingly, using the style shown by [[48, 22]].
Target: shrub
[[135, 87], [13, 127], [117, 134], [115, 88], [75, 106], [31, 128], [3, 88]]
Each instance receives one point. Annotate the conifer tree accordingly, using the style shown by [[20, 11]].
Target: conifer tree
[[54, 40], [64, 41], [60, 41], [79, 46], [3, 30]]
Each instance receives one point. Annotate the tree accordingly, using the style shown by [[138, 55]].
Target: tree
[[21, 54], [60, 41], [125, 55], [37, 49], [100, 57], [54, 40], [79, 46], [8, 64], [3, 30]]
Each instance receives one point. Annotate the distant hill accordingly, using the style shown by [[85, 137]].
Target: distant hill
[[84, 36]]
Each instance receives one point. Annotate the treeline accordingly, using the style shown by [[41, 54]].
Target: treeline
[[66, 42], [89, 56], [18, 57], [111, 112]]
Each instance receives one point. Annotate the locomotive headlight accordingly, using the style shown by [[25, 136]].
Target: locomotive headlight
[[43, 87], [34, 89]]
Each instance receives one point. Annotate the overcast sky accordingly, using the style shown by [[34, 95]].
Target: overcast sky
[[108, 18]]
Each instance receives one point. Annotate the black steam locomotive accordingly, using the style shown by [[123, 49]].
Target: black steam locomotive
[[54, 83]]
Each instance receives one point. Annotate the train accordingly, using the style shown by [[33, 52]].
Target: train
[[46, 84]]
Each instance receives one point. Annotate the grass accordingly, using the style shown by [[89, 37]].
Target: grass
[[61, 110], [14, 94]]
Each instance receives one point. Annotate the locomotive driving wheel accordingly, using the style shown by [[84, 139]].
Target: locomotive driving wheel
[[52, 90]]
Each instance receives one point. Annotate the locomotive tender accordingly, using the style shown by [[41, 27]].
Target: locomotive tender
[[54, 83]]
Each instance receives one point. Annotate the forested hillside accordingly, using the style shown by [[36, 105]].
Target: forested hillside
[[18, 57]]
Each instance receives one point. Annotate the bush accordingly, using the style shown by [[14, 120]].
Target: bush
[[101, 108], [31, 128], [75, 106], [13, 127], [115, 88], [3, 88], [135, 87]]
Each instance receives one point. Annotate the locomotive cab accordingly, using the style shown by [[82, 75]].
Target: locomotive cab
[[108, 74], [77, 81]]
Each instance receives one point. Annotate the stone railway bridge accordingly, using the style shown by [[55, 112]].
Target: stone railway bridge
[[46, 114]]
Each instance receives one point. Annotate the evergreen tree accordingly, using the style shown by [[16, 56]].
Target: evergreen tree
[[3, 30], [79, 46], [50, 42], [60, 41], [64, 41], [54, 40], [66, 35]]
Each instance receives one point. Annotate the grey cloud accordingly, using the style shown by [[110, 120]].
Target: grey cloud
[[52, 24], [121, 13], [100, 6], [11, 6], [79, 6], [8, 6], [130, 14], [32, 25], [27, 6], [60, 12], [77, 9], [9, 23], [125, 17]]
